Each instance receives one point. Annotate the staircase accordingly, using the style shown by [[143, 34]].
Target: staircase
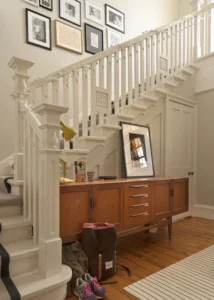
[[93, 96]]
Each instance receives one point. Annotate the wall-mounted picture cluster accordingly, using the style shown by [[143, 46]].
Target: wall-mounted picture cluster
[[70, 37]]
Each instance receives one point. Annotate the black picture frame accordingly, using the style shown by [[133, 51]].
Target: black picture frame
[[28, 40], [43, 6], [147, 153], [115, 27], [89, 48], [67, 20]]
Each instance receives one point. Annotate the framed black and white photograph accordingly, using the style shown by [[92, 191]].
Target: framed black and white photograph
[[48, 4], [94, 12], [113, 38], [69, 37], [137, 151], [115, 18], [93, 39], [33, 2], [38, 29], [70, 11]]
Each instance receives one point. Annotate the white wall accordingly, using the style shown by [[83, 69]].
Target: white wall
[[141, 15], [185, 7]]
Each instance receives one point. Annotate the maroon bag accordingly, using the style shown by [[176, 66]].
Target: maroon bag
[[100, 243]]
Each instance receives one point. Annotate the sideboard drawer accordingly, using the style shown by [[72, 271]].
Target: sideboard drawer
[[137, 188], [137, 217]]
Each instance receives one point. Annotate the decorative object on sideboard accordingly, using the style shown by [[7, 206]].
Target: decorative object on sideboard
[[68, 132], [70, 11], [137, 151], [80, 170], [64, 167], [90, 175], [68, 37], [115, 18], [48, 4], [38, 29], [94, 12], [113, 38], [93, 39], [33, 2]]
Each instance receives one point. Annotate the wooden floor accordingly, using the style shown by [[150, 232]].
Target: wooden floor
[[146, 253]]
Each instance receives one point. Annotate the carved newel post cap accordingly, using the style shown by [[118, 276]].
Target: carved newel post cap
[[18, 63]]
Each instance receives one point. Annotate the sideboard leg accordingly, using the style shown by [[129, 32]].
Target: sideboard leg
[[170, 228]]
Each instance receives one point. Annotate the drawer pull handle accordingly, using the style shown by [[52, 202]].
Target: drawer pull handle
[[139, 196], [145, 186], [139, 205], [139, 215]]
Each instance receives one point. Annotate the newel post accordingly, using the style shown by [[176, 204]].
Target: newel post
[[21, 94], [50, 245]]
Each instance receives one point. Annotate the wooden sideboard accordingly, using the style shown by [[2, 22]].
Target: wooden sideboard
[[132, 205]]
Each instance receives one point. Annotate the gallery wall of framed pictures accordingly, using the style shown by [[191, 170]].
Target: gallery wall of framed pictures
[[70, 32]]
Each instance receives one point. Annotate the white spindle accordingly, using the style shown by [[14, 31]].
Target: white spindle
[[130, 74], [162, 42], [184, 43], [33, 100], [29, 171], [136, 69], [209, 31], [188, 41], [158, 58], [172, 51], [85, 81], [109, 81], [116, 81], [123, 76], [176, 47], [152, 61], [179, 46], [45, 92], [35, 164], [66, 88], [93, 96], [76, 100], [142, 68], [101, 73], [191, 39], [55, 92], [202, 40], [25, 153], [148, 63], [195, 37]]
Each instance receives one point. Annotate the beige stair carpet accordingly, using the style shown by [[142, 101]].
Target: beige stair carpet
[[189, 279]]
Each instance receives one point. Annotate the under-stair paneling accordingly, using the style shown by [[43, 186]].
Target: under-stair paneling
[[155, 119]]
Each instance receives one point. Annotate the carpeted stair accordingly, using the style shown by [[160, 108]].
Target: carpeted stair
[[8, 291]]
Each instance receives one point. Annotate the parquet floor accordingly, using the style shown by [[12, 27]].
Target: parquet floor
[[145, 253]]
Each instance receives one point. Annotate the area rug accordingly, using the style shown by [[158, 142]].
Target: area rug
[[189, 279]]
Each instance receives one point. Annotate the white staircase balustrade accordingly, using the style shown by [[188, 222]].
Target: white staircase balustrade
[[94, 96]]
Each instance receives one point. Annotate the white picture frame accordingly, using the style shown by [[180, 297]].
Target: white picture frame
[[70, 11], [33, 2], [137, 151], [94, 12], [113, 38]]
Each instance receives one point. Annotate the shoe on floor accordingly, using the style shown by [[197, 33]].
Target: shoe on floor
[[96, 288], [83, 290]]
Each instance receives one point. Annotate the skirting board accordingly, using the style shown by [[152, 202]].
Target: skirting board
[[203, 211], [182, 216]]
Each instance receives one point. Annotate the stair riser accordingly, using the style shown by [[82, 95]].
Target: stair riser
[[59, 293], [105, 132], [28, 263], [87, 144], [117, 120], [133, 111], [10, 211], [16, 234]]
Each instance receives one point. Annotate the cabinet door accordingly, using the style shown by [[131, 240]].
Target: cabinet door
[[74, 212], [162, 207], [108, 199], [180, 196]]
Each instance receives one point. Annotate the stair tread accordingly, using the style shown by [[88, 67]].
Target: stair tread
[[21, 247], [93, 138], [109, 126], [7, 199], [186, 70], [138, 106], [123, 116], [179, 76], [171, 83], [150, 98], [34, 284], [76, 151], [11, 222]]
